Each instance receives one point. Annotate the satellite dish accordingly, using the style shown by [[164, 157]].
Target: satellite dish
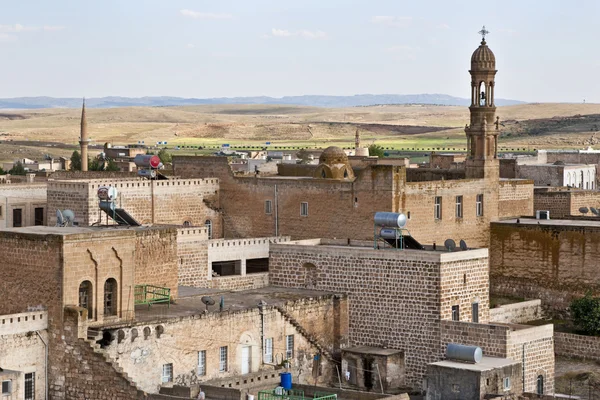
[[463, 245], [60, 221], [69, 217], [208, 301], [583, 210], [594, 211], [450, 244]]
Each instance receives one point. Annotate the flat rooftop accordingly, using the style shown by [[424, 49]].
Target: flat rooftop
[[486, 364], [78, 230], [552, 222], [234, 301], [372, 350]]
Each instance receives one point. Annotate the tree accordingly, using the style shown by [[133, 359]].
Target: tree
[[304, 156], [112, 165], [376, 151], [75, 161], [2, 172], [17, 169], [586, 314], [165, 156]]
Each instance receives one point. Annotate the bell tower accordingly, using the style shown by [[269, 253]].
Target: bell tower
[[482, 135]]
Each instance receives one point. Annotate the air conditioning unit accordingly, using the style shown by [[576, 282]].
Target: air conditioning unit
[[542, 214]]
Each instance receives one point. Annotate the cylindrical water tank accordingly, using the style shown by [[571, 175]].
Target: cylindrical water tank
[[107, 193], [388, 233], [147, 161], [464, 353], [394, 220], [147, 173], [286, 380]]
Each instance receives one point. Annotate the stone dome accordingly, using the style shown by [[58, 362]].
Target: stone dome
[[333, 155], [483, 58]]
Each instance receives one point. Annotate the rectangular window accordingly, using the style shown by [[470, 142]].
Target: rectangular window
[[167, 373], [437, 211], [268, 207], [39, 216], [507, 383], [0, 211], [30, 386], [455, 313], [475, 312], [17, 218], [289, 346], [304, 209], [202, 363], [223, 359], [459, 206], [479, 205], [269, 350], [6, 387]]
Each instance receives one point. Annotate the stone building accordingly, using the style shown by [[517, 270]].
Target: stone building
[[22, 205], [187, 202], [561, 258], [23, 355], [338, 198], [414, 301]]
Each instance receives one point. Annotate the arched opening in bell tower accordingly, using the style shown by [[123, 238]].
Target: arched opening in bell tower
[[483, 94]]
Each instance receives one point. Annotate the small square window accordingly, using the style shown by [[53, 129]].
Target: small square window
[[455, 313], [268, 207], [304, 209], [6, 387]]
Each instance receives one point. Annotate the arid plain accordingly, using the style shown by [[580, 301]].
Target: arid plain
[[33, 133]]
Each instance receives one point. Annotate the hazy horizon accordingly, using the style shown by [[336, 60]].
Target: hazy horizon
[[202, 49]]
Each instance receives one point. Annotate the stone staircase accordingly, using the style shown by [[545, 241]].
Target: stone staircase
[[227, 220], [308, 336], [93, 336]]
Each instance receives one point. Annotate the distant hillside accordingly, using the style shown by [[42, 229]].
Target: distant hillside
[[308, 100]]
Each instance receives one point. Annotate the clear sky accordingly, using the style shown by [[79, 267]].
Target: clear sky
[[546, 50]]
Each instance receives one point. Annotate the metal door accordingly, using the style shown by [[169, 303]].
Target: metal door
[[246, 359]]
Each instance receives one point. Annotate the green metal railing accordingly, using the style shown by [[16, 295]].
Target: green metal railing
[[149, 294], [293, 395]]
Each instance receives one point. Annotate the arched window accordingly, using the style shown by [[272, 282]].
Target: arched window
[[482, 94], [540, 384], [85, 297], [110, 297], [208, 224], [187, 223]]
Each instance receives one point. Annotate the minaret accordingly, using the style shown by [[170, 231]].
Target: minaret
[[83, 140], [482, 137], [359, 151]]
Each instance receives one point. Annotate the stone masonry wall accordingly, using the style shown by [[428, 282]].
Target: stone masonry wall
[[379, 284], [552, 262], [176, 201], [534, 347], [376, 188], [26, 197], [142, 358], [192, 253], [517, 313], [156, 255], [515, 198], [563, 203], [491, 338], [236, 282], [571, 345]]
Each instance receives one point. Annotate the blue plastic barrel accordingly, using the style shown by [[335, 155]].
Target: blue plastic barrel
[[286, 380]]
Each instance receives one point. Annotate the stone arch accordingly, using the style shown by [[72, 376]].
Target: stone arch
[[187, 223], [159, 331], [540, 382], [311, 275], [120, 335], [134, 334], [110, 297], [86, 297], [147, 332]]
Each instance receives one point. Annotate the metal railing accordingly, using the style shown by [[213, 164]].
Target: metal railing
[[293, 395], [150, 294]]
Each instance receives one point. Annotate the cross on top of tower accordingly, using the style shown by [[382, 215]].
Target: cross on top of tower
[[483, 32]]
